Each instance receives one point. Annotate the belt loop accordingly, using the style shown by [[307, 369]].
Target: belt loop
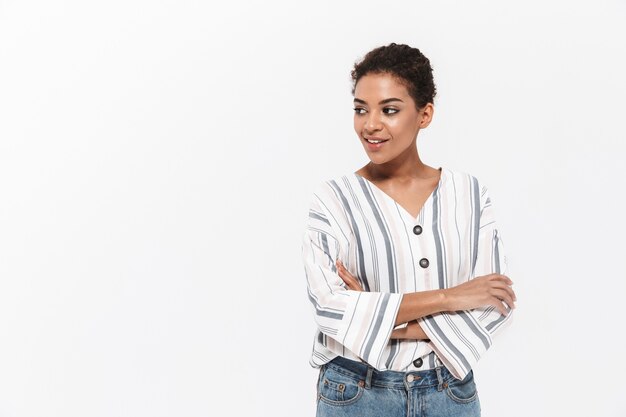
[[439, 379], [368, 378], [438, 361]]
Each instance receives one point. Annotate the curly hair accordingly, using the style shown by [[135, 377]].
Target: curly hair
[[408, 65]]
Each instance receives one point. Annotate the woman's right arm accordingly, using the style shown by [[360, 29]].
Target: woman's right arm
[[361, 321]]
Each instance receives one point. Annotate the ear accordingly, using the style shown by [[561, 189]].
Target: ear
[[426, 114]]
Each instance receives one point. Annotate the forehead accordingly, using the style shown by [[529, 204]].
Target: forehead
[[380, 86]]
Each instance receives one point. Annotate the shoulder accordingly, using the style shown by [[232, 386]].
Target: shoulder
[[468, 183], [328, 191], [333, 187]]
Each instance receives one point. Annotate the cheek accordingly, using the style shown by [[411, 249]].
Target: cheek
[[400, 127], [357, 125]]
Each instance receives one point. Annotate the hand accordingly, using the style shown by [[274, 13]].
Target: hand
[[412, 331], [351, 282], [492, 289]]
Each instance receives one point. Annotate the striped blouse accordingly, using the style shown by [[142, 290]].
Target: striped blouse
[[453, 239]]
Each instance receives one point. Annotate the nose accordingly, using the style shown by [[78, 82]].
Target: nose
[[373, 123]]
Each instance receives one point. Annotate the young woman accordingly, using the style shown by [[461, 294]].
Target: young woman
[[404, 262]]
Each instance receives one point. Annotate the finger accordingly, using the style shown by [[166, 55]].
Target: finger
[[502, 286], [347, 274], [507, 279], [350, 280], [504, 296], [501, 278], [344, 274], [357, 285], [351, 285], [341, 267], [345, 277], [512, 293], [499, 306]]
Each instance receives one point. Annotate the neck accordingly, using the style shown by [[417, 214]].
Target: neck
[[408, 168]]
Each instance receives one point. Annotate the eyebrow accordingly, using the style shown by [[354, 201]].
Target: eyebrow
[[387, 100]]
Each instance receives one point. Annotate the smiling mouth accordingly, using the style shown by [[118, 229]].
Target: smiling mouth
[[374, 141]]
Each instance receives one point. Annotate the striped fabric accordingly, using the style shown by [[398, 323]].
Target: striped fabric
[[350, 218]]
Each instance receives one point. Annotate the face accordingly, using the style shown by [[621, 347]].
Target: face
[[384, 110]]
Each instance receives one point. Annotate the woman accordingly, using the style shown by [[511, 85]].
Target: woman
[[404, 262]]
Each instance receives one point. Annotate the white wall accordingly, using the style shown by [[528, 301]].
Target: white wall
[[157, 159]]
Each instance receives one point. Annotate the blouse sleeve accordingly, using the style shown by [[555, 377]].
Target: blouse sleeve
[[460, 338], [360, 321]]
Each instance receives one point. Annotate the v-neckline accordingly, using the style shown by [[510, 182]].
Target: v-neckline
[[400, 206]]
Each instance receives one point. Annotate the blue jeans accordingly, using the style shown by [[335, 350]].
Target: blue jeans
[[349, 388]]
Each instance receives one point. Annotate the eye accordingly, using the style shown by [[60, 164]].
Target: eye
[[390, 110], [357, 110]]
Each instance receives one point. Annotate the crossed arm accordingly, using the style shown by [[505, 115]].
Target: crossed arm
[[492, 289]]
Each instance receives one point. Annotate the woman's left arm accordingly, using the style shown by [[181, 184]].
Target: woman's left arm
[[460, 338]]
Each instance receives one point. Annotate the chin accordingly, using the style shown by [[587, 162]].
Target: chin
[[377, 159]]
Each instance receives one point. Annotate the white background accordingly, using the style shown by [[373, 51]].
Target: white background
[[157, 160]]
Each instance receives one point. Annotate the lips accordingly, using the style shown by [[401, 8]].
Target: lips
[[375, 140], [375, 146]]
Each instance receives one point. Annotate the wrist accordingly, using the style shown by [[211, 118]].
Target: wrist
[[445, 300]]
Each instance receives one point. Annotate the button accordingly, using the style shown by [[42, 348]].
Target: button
[[424, 263], [418, 362], [417, 229], [411, 378]]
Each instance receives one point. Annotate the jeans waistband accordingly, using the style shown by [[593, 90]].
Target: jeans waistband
[[365, 375]]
